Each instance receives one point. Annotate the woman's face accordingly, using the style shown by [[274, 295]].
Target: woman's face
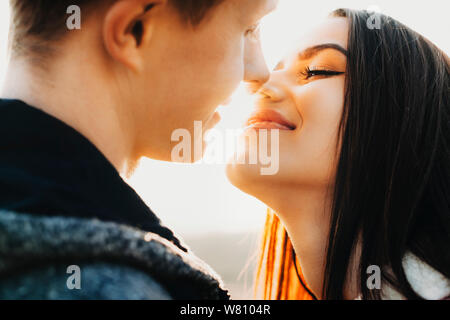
[[306, 91]]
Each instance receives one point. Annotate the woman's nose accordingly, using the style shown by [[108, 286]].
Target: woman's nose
[[270, 90]]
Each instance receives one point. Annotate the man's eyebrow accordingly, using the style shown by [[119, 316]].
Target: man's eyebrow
[[314, 50]]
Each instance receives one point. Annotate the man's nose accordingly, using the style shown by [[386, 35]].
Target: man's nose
[[256, 72], [257, 75]]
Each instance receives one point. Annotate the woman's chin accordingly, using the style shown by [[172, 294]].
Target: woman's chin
[[246, 177]]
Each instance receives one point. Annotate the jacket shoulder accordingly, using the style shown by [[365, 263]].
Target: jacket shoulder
[[90, 281], [28, 241]]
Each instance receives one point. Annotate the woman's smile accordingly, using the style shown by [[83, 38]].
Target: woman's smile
[[269, 119]]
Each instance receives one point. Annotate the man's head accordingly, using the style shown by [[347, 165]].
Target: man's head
[[38, 23], [167, 62]]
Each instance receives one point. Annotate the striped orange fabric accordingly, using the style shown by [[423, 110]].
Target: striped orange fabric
[[276, 277]]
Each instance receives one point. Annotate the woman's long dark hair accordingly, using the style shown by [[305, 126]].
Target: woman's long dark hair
[[392, 187]]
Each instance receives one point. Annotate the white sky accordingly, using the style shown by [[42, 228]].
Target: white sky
[[198, 198]]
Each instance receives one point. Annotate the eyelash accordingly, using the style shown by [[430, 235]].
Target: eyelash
[[309, 73]]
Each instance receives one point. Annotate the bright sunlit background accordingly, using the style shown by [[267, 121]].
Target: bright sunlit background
[[219, 222]]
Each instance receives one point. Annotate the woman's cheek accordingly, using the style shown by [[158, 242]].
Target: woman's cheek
[[310, 155], [320, 103]]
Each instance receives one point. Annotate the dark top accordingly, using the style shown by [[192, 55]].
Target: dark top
[[48, 168], [62, 203]]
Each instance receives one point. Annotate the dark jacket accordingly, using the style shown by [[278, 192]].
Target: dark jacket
[[62, 204]]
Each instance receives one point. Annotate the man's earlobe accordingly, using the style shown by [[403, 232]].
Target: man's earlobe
[[124, 28]]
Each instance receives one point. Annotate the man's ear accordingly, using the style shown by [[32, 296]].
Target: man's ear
[[126, 25]]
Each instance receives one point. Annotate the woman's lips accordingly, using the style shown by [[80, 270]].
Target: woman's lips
[[269, 119]]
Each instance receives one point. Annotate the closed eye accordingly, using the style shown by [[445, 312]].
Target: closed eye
[[310, 73]]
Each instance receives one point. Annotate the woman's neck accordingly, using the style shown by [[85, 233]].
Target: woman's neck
[[305, 214]]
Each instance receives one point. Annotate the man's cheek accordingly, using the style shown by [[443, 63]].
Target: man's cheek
[[231, 76], [234, 71], [233, 59]]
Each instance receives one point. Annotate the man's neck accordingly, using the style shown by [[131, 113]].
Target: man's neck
[[70, 92]]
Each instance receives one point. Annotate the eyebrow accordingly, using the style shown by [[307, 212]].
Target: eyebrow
[[314, 50]]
